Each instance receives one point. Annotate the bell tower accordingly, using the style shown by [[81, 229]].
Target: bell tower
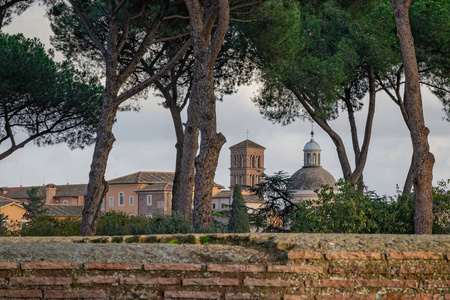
[[246, 164]]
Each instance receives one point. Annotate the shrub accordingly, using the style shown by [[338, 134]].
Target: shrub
[[51, 226]]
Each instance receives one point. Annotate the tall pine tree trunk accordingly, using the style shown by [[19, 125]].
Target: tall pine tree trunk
[[206, 46], [187, 167], [97, 186], [210, 144], [423, 160]]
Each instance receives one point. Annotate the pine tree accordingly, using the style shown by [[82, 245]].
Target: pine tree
[[35, 206], [239, 221]]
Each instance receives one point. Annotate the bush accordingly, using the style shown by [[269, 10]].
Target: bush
[[50, 226], [118, 223], [349, 212]]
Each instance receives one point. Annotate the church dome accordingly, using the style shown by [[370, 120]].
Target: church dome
[[311, 178], [311, 145]]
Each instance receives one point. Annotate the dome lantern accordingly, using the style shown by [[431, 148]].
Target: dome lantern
[[311, 153]]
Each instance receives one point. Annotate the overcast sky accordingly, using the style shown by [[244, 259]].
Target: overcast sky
[[145, 140]]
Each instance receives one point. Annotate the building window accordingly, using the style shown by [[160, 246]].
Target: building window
[[242, 161], [131, 200], [258, 160], [314, 159], [308, 159], [319, 159], [223, 205], [121, 199], [65, 202], [103, 205], [214, 205], [236, 161], [149, 200], [111, 201]]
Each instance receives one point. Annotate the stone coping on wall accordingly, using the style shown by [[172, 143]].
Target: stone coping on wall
[[221, 247]]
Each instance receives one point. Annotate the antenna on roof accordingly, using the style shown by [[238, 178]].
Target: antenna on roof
[[247, 132]]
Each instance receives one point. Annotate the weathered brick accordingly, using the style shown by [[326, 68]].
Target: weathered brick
[[304, 255], [112, 266], [80, 294], [20, 293], [385, 283], [172, 267], [238, 296], [447, 296], [328, 283], [40, 280], [344, 297], [437, 283], [359, 270], [210, 281], [353, 255], [414, 255], [235, 268], [416, 270], [296, 297], [99, 280], [8, 265], [270, 282], [148, 281], [56, 265], [295, 269], [2, 281], [410, 296], [191, 295]]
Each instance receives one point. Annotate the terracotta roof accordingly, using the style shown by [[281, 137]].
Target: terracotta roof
[[71, 190], [4, 201], [21, 193], [156, 187], [144, 177], [65, 190], [247, 144], [247, 198], [64, 210]]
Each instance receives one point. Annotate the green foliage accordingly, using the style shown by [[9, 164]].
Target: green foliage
[[50, 102], [35, 206], [239, 220], [441, 208], [349, 212], [49, 226], [3, 224], [118, 223], [279, 203]]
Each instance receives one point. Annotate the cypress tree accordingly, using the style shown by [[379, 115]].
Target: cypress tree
[[239, 221]]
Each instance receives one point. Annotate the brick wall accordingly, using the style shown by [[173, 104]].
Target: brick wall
[[227, 267]]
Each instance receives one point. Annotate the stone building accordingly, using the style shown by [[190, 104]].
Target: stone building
[[246, 164], [311, 176]]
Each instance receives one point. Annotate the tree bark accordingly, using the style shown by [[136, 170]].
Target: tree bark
[[187, 167], [97, 186], [409, 181], [206, 47], [423, 160]]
